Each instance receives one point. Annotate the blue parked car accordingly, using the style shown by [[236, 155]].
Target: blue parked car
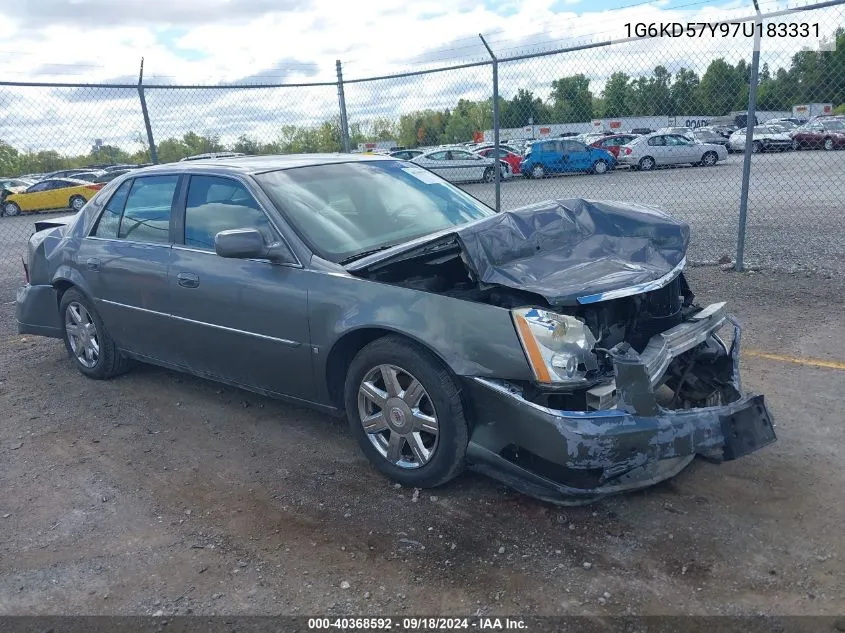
[[564, 155]]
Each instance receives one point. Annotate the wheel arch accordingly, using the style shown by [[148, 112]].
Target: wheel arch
[[347, 346]]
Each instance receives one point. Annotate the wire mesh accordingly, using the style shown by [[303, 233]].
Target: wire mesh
[[640, 121]]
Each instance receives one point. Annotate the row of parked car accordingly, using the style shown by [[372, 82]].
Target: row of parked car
[[63, 189], [640, 149]]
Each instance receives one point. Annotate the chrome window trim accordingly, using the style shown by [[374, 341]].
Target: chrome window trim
[[636, 289], [224, 328], [122, 241], [191, 249]]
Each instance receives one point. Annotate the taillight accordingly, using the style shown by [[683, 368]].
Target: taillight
[[25, 270], [96, 186], [627, 150]]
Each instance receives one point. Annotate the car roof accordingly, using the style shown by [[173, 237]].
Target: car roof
[[260, 164]]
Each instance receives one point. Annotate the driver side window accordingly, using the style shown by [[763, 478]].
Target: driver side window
[[219, 204]]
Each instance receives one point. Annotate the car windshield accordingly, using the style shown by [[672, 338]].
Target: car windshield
[[344, 210]]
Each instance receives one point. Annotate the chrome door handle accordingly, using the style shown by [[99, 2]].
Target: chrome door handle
[[188, 280]]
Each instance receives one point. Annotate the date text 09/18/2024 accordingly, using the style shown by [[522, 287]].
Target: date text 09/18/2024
[[417, 624]]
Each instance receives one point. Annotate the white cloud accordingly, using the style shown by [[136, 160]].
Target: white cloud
[[292, 41]]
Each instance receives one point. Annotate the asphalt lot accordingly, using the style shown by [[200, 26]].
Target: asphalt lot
[[796, 210], [158, 493]]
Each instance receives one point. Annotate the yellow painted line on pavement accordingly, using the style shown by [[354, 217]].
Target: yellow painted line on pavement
[[796, 360]]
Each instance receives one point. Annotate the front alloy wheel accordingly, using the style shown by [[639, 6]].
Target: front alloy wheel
[[406, 412], [398, 416], [828, 144]]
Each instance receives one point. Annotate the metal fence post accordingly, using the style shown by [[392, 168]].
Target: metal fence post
[[344, 122], [749, 140], [150, 140], [497, 173]]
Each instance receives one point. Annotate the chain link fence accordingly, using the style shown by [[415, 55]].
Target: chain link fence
[[571, 123]]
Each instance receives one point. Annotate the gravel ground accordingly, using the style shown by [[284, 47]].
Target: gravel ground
[[159, 493], [795, 214]]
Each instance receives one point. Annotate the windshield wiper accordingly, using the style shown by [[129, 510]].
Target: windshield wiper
[[363, 254]]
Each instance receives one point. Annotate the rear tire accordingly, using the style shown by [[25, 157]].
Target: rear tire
[[537, 171], [427, 458], [756, 147], [11, 209], [827, 144], [86, 339], [646, 163], [600, 167], [488, 175]]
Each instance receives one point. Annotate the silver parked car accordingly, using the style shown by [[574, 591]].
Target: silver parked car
[[658, 149], [456, 164], [557, 347], [765, 138]]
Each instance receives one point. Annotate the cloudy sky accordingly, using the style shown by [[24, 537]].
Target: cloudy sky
[[295, 41]]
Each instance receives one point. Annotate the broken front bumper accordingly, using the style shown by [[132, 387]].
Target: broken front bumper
[[579, 455]]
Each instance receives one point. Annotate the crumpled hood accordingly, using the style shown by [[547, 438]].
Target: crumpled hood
[[564, 250]]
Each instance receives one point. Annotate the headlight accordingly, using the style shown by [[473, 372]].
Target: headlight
[[559, 347]]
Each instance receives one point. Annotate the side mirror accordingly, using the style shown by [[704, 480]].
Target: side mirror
[[249, 244]]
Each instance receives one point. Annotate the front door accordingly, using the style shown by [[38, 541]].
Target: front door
[[124, 263], [241, 320], [576, 156]]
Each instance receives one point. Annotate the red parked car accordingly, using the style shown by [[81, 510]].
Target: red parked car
[[826, 134], [513, 159], [614, 142]]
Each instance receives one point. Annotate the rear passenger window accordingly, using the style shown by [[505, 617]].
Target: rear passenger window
[[219, 204], [146, 217], [109, 222]]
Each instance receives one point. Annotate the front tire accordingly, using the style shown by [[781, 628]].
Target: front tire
[[756, 147], [709, 159], [11, 209], [405, 410], [537, 171], [488, 175], [827, 144], [86, 339]]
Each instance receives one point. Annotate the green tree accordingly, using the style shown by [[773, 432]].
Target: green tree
[[616, 100], [718, 88], [684, 93], [523, 108], [572, 100]]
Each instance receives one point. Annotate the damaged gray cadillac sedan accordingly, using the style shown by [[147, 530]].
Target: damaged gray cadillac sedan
[[556, 347]]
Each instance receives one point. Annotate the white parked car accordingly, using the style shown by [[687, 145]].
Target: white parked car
[[657, 149], [765, 138], [456, 164]]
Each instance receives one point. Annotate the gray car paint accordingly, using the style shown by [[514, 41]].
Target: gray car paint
[[275, 327]]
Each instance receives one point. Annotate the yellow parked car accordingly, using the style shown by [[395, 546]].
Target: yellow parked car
[[50, 194]]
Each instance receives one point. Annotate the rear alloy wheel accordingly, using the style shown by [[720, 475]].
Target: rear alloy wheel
[[537, 171], [406, 413], [600, 167], [86, 339], [488, 175], [77, 202], [10, 209], [756, 147], [828, 144], [646, 163], [709, 159]]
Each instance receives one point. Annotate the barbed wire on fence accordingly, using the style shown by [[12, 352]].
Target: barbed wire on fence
[[544, 96]]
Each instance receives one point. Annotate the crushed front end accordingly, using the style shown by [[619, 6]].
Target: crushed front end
[[628, 391]]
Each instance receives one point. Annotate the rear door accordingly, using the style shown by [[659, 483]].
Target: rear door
[[466, 165], [242, 320], [124, 263], [37, 196]]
